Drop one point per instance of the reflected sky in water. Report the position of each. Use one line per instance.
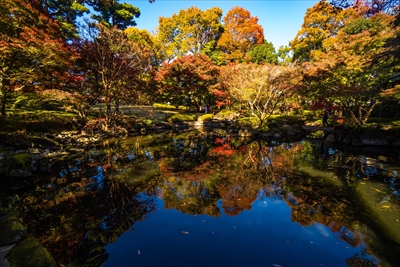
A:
(262, 236)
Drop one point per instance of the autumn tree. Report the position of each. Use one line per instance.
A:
(260, 88)
(320, 22)
(151, 51)
(346, 73)
(241, 33)
(192, 76)
(112, 67)
(190, 30)
(33, 54)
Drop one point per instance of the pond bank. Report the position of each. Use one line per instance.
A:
(21, 154)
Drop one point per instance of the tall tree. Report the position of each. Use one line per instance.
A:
(33, 54)
(320, 22)
(113, 13)
(193, 76)
(241, 33)
(190, 30)
(66, 13)
(264, 53)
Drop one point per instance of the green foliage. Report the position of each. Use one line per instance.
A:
(264, 53)
(361, 24)
(117, 14)
(181, 118)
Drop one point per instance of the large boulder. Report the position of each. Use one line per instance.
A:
(374, 137)
(15, 164)
(30, 253)
(11, 230)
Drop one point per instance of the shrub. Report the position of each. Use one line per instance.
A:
(248, 122)
(181, 117)
(206, 117)
(166, 106)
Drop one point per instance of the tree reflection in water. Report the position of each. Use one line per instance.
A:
(88, 202)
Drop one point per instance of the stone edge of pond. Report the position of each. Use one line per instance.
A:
(17, 249)
(22, 154)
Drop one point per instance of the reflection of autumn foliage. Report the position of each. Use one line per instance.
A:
(223, 149)
(82, 211)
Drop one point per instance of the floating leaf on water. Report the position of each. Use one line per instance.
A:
(185, 232)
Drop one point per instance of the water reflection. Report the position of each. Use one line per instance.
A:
(141, 184)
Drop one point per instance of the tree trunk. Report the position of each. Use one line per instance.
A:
(3, 102)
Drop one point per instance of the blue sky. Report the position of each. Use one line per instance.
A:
(281, 19)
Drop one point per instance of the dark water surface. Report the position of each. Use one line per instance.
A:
(194, 199)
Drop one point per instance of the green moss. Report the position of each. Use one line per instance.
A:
(16, 226)
(11, 230)
(30, 252)
(182, 117)
(206, 117)
(22, 159)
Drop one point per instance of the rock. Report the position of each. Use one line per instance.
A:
(11, 230)
(16, 164)
(350, 137)
(30, 253)
(3, 252)
(330, 138)
(374, 137)
(295, 129)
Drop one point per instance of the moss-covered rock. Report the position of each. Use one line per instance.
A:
(30, 253)
(11, 230)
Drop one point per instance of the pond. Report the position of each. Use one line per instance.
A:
(194, 199)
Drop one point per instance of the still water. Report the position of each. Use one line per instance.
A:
(194, 199)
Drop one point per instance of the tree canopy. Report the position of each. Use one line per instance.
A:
(241, 33)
